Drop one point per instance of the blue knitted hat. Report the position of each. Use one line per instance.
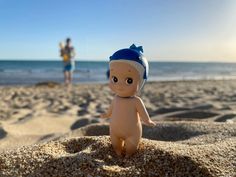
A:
(133, 56)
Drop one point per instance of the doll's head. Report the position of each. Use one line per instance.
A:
(128, 71)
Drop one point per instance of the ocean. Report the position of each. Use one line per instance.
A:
(32, 72)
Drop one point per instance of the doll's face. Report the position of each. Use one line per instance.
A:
(124, 79)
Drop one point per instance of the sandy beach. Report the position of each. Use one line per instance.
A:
(46, 130)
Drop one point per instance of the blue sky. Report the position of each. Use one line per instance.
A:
(169, 30)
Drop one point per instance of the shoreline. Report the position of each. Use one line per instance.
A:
(33, 72)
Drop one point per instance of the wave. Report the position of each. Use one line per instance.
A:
(33, 72)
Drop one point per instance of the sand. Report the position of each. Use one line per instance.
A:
(46, 130)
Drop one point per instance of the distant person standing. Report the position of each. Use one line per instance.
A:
(67, 53)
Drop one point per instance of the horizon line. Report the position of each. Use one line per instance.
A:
(102, 60)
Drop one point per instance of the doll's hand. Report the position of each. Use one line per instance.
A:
(151, 123)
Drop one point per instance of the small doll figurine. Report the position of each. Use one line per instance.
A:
(128, 73)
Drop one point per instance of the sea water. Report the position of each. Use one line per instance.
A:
(31, 72)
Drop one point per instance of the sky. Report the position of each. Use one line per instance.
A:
(168, 30)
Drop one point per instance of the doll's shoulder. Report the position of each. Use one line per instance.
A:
(138, 100)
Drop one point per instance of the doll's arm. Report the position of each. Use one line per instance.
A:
(143, 112)
(108, 113)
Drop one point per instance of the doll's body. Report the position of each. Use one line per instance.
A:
(126, 110)
(125, 125)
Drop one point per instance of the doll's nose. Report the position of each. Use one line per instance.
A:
(121, 86)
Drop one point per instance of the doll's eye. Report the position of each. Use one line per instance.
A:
(114, 79)
(129, 80)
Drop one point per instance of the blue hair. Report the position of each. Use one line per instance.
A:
(132, 54)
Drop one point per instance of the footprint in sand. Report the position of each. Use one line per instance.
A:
(5, 114)
(191, 115)
(170, 110)
(83, 122)
(3, 133)
(226, 117)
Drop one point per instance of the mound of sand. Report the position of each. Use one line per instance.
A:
(188, 149)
